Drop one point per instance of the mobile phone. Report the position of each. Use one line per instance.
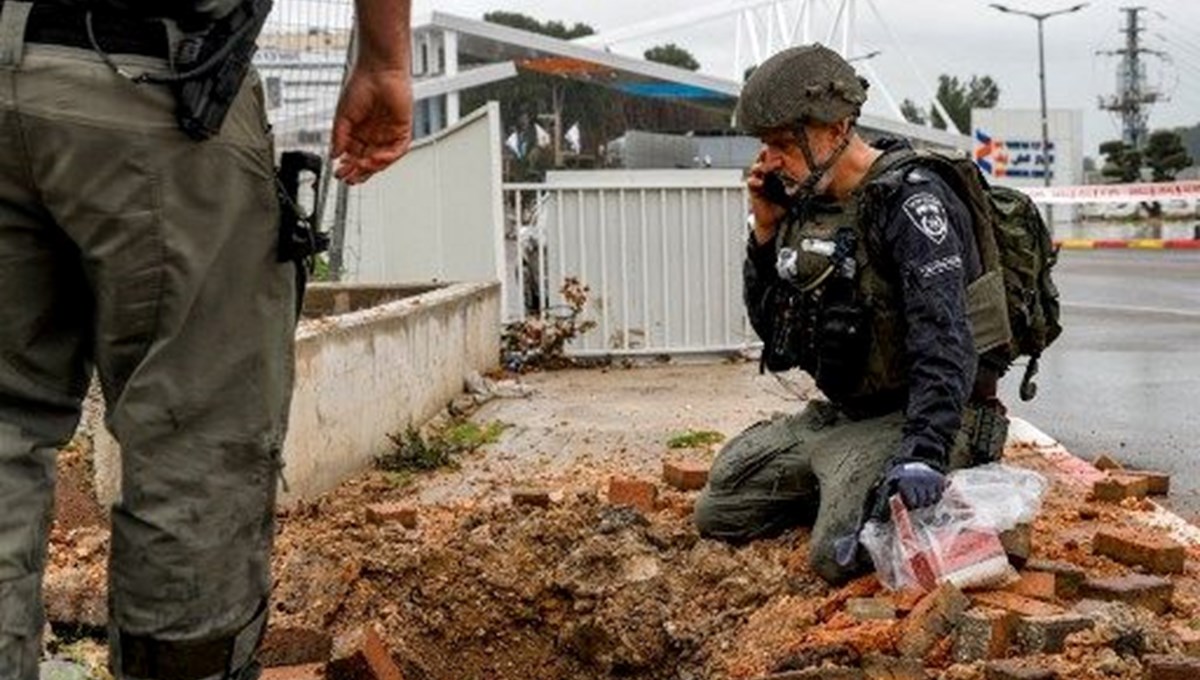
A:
(774, 189)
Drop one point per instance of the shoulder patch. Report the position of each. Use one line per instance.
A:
(927, 213)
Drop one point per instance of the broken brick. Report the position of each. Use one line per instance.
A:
(1170, 667)
(311, 671)
(880, 667)
(870, 609)
(983, 634)
(362, 655)
(1039, 585)
(1048, 634)
(386, 513)
(1068, 578)
(1017, 604)
(1157, 483)
(1105, 462)
(636, 493)
(931, 620)
(686, 475)
(1016, 670)
(1189, 640)
(1116, 487)
(294, 647)
(1160, 555)
(824, 673)
(939, 655)
(1149, 592)
(534, 498)
(865, 586)
(1018, 544)
(906, 600)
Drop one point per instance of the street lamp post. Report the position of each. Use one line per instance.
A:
(1040, 18)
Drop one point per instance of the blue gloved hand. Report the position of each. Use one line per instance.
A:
(917, 483)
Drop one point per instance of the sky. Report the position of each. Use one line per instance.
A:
(958, 37)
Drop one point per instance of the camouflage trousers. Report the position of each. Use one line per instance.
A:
(816, 468)
(129, 249)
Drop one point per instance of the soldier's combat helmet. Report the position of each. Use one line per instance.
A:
(810, 82)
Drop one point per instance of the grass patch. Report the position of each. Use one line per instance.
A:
(468, 436)
(695, 439)
(414, 452)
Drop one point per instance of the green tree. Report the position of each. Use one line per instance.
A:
(672, 55)
(912, 113)
(1122, 163)
(1165, 155)
(556, 29)
(958, 98)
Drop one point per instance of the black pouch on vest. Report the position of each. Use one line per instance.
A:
(787, 347)
(843, 342)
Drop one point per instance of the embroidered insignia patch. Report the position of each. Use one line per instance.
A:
(927, 213)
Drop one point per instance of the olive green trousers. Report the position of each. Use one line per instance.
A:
(817, 468)
(129, 249)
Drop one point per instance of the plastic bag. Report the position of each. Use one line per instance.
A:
(958, 540)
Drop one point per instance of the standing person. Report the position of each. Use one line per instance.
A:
(149, 253)
(856, 272)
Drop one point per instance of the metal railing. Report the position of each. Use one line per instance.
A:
(303, 53)
(662, 258)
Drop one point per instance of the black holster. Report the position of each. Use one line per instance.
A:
(211, 64)
(300, 237)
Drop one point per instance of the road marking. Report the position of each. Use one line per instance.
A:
(1132, 309)
(1147, 244)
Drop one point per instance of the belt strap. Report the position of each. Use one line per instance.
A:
(54, 24)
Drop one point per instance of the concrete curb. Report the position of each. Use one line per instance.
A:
(1075, 470)
(1128, 244)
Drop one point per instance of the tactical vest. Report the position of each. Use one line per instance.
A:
(840, 316)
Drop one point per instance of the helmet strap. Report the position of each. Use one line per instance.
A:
(817, 170)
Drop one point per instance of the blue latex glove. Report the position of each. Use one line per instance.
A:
(917, 483)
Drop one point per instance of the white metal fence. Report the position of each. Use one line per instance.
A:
(661, 252)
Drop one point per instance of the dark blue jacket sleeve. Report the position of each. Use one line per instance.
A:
(928, 233)
(758, 280)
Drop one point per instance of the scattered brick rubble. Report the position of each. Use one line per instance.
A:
(614, 582)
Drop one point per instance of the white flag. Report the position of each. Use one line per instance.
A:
(572, 138)
(514, 144)
(543, 137)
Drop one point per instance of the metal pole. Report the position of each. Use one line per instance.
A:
(1045, 119)
(337, 231)
(1039, 18)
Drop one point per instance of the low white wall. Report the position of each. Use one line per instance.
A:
(361, 376)
(367, 374)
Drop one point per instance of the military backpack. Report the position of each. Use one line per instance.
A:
(1017, 255)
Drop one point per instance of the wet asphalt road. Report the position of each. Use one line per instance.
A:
(1125, 375)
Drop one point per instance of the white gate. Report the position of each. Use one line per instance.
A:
(661, 252)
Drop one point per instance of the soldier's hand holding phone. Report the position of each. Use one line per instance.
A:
(767, 196)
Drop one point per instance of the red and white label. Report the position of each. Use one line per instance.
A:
(1115, 193)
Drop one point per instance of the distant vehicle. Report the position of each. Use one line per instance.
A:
(1180, 208)
(1118, 211)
